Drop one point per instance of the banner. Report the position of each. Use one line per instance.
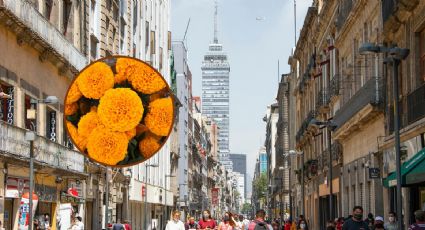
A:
(24, 210)
(214, 195)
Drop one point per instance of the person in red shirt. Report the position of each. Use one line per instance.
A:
(288, 225)
(207, 222)
(127, 225)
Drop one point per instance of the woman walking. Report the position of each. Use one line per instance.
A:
(227, 223)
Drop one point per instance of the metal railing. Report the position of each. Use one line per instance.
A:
(369, 93)
(12, 141)
(416, 105)
(31, 18)
(323, 99)
(334, 88)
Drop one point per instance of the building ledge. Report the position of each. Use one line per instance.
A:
(358, 121)
(406, 133)
(20, 17)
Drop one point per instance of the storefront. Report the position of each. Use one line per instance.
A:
(413, 179)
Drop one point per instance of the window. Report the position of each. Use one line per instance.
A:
(67, 7)
(48, 8)
(152, 43)
(93, 47)
(169, 40)
(161, 57)
(6, 105)
(147, 34)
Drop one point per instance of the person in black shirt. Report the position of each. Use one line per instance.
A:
(356, 222)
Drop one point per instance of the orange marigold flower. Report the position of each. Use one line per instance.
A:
(74, 93)
(131, 133)
(120, 109)
(87, 124)
(80, 142)
(95, 80)
(160, 116)
(106, 146)
(70, 108)
(149, 145)
(141, 76)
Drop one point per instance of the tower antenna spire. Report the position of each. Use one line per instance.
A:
(215, 22)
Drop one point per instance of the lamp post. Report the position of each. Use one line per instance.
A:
(330, 126)
(295, 153)
(396, 55)
(30, 136)
(281, 168)
(146, 191)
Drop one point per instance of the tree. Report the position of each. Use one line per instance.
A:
(246, 208)
(260, 186)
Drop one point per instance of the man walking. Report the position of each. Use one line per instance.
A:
(259, 222)
(392, 222)
(175, 223)
(420, 221)
(356, 222)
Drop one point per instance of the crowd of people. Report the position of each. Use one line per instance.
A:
(231, 221)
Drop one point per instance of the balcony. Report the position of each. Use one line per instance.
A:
(47, 153)
(365, 104)
(322, 102)
(334, 87)
(30, 26)
(304, 126)
(416, 105)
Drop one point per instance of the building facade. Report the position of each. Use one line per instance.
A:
(239, 165)
(215, 93)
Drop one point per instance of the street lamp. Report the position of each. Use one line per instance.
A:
(330, 126)
(396, 55)
(281, 168)
(146, 191)
(30, 136)
(295, 153)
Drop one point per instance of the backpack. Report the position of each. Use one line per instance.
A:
(260, 225)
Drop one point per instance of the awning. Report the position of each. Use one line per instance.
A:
(412, 171)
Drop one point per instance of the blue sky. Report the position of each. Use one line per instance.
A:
(254, 48)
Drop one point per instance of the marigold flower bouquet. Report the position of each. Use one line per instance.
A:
(119, 111)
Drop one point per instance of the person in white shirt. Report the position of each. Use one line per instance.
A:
(175, 223)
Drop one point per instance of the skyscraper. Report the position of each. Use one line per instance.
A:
(215, 92)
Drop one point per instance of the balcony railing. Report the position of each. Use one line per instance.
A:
(370, 93)
(416, 105)
(305, 125)
(334, 86)
(323, 99)
(12, 141)
(31, 18)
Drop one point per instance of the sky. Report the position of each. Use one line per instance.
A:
(254, 48)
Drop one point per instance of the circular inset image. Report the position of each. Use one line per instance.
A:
(119, 111)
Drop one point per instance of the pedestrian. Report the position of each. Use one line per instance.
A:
(287, 225)
(239, 223)
(294, 225)
(330, 225)
(370, 221)
(207, 222)
(392, 222)
(127, 225)
(356, 222)
(191, 224)
(259, 223)
(420, 221)
(175, 223)
(275, 225)
(339, 223)
(227, 223)
(379, 223)
(78, 224)
(246, 223)
(302, 223)
(118, 225)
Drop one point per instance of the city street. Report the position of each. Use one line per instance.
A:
(160, 114)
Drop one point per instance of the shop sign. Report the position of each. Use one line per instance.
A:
(66, 198)
(77, 186)
(374, 173)
(45, 193)
(214, 195)
(15, 187)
